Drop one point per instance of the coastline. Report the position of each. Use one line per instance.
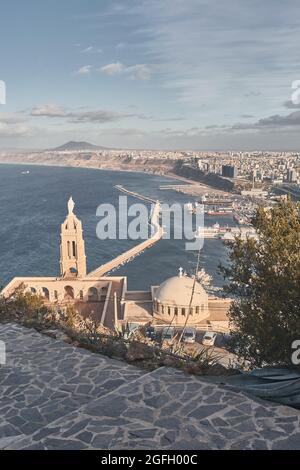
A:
(120, 168)
(92, 167)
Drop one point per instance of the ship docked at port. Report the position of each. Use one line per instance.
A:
(224, 206)
(216, 231)
(212, 206)
(218, 211)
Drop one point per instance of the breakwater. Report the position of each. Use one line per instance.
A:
(133, 194)
(138, 249)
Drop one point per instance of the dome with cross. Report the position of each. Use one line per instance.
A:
(180, 296)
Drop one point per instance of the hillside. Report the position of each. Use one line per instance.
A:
(74, 146)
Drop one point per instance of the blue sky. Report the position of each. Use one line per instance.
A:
(192, 74)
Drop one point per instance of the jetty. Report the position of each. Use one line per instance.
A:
(130, 254)
(133, 194)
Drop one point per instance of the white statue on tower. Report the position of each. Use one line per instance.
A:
(71, 205)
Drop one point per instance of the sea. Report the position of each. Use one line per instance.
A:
(33, 204)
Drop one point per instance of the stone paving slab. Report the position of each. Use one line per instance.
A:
(45, 379)
(48, 358)
(46, 405)
(166, 409)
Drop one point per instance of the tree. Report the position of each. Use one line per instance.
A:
(263, 277)
(22, 304)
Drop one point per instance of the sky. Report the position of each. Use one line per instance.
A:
(160, 74)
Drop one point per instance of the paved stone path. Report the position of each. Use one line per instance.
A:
(56, 396)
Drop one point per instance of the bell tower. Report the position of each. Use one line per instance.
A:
(72, 251)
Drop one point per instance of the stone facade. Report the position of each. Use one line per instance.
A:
(99, 297)
(72, 251)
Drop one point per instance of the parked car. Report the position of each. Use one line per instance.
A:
(151, 333)
(189, 335)
(168, 333)
(209, 338)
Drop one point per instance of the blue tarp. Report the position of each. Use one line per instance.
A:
(274, 384)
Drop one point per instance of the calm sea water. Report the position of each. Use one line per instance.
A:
(32, 207)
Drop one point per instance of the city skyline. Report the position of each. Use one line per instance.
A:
(160, 74)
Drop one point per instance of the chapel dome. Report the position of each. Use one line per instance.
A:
(177, 291)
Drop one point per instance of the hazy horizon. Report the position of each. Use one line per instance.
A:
(219, 150)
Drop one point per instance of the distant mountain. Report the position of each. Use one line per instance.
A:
(77, 146)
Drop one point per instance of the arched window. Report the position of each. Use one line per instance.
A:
(45, 293)
(103, 293)
(69, 293)
(81, 295)
(176, 311)
(74, 249)
(92, 294)
(169, 311)
(197, 310)
(183, 312)
(191, 311)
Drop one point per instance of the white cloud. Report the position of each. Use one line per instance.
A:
(15, 125)
(85, 70)
(90, 49)
(136, 72)
(49, 110)
(14, 130)
(115, 68)
(12, 118)
(87, 49)
(121, 45)
(139, 72)
(226, 56)
(99, 116)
